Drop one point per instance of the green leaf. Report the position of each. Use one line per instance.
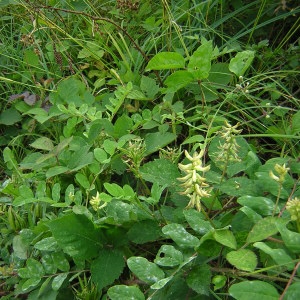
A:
(76, 235)
(35, 268)
(101, 156)
(48, 264)
(10, 116)
(155, 141)
(195, 220)
(60, 261)
(178, 80)
(168, 256)
(83, 181)
(160, 171)
(107, 267)
(293, 292)
(149, 86)
(225, 237)
(43, 143)
(165, 60)
(291, 239)
(199, 279)
(262, 205)
(145, 270)
(46, 244)
(144, 232)
(125, 292)
(56, 171)
(180, 236)
(262, 229)
(278, 255)
(58, 281)
(243, 259)
(256, 289)
(241, 62)
(200, 62)
(10, 159)
(114, 189)
(161, 283)
(30, 283)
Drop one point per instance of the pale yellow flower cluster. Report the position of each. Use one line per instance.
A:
(293, 207)
(281, 171)
(194, 184)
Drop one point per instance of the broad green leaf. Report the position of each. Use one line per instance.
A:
(119, 211)
(293, 292)
(80, 158)
(101, 156)
(43, 143)
(58, 281)
(219, 74)
(160, 171)
(10, 116)
(46, 244)
(48, 264)
(195, 220)
(125, 292)
(83, 181)
(35, 268)
(200, 62)
(110, 146)
(168, 256)
(149, 86)
(122, 126)
(278, 255)
(225, 237)
(155, 141)
(165, 60)
(249, 290)
(107, 267)
(243, 259)
(262, 205)
(262, 229)
(180, 236)
(177, 80)
(219, 281)
(30, 283)
(198, 279)
(241, 62)
(76, 235)
(10, 159)
(161, 283)
(56, 171)
(60, 261)
(114, 189)
(291, 239)
(20, 248)
(239, 186)
(144, 232)
(145, 270)
(194, 139)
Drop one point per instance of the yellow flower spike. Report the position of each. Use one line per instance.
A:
(281, 170)
(273, 176)
(95, 201)
(185, 167)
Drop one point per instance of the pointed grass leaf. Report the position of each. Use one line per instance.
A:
(166, 60)
(107, 267)
(180, 236)
(255, 289)
(278, 255)
(198, 279)
(200, 62)
(125, 292)
(145, 270)
(243, 259)
(168, 256)
(76, 235)
(241, 62)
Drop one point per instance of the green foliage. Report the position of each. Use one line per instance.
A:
(97, 200)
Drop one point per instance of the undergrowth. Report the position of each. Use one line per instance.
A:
(150, 150)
